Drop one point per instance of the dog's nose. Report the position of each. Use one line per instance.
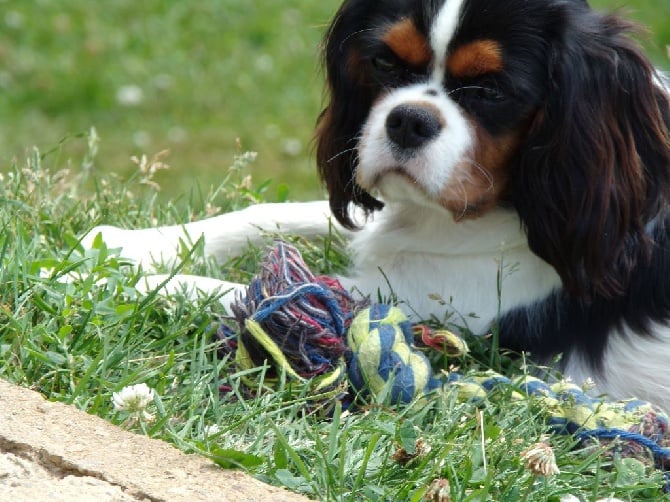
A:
(411, 125)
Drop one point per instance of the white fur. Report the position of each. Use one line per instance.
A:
(458, 263)
(442, 32)
(224, 235)
(634, 366)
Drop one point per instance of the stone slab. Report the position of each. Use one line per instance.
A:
(51, 451)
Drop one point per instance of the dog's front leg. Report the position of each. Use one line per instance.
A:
(224, 236)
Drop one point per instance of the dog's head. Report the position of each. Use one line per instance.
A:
(542, 105)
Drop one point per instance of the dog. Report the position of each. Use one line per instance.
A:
(494, 163)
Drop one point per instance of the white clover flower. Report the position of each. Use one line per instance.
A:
(540, 459)
(588, 384)
(438, 491)
(134, 399)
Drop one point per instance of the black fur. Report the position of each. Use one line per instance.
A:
(564, 323)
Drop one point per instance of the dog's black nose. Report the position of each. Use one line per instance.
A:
(411, 125)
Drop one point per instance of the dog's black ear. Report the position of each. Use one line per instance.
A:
(596, 166)
(340, 123)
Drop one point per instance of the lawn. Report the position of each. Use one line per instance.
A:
(203, 79)
(73, 327)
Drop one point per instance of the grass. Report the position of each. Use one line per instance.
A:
(199, 79)
(207, 81)
(80, 341)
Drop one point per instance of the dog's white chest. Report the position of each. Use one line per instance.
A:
(470, 271)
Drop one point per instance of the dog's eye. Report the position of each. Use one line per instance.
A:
(384, 64)
(478, 93)
(490, 94)
(387, 70)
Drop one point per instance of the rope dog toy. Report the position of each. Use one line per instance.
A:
(310, 330)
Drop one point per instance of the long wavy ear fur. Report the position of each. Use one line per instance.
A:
(340, 124)
(596, 166)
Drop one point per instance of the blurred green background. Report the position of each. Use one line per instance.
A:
(205, 79)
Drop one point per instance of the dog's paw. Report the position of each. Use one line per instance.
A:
(152, 248)
(127, 243)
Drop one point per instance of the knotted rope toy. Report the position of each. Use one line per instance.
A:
(295, 321)
(310, 330)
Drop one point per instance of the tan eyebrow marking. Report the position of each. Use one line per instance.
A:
(476, 58)
(405, 40)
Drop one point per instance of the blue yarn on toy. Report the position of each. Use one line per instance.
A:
(383, 357)
(659, 452)
(304, 316)
(572, 411)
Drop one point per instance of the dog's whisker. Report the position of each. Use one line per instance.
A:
(484, 171)
(343, 152)
(351, 35)
(466, 87)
